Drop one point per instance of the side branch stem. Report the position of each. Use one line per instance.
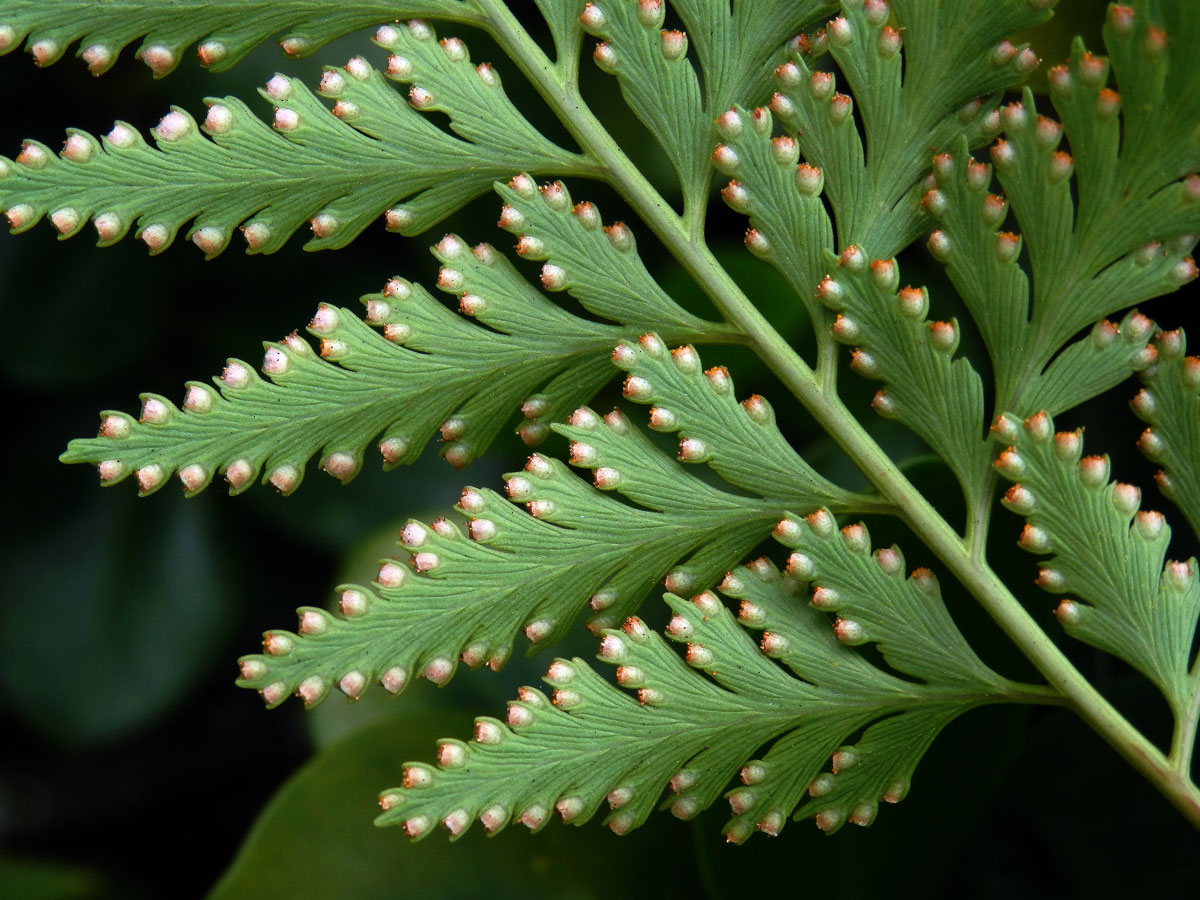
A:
(1183, 741)
(837, 420)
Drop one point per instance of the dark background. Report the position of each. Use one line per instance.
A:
(130, 766)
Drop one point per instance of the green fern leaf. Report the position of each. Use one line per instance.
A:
(904, 617)
(983, 263)
(872, 193)
(228, 29)
(578, 547)
(1106, 552)
(661, 86)
(738, 440)
(1127, 241)
(429, 370)
(1093, 364)
(563, 18)
(738, 51)
(1168, 403)
(591, 742)
(1121, 268)
(658, 82)
(937, 396)
(789, 226)
(597, 265)
(472, 594)
(337, 171)
(836, 675)
(441, 78)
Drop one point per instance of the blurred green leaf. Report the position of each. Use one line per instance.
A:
(1052, 40)
(106, 635)
(30, 879)
(81, 354)
(316, 839)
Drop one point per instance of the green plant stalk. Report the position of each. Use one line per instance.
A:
(1183, 741)
(831, 413)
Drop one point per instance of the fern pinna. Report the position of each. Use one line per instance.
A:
(804, 683)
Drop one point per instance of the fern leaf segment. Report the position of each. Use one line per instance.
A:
(695, 725)
(737, 52)
(338, 171)
(1169, 403)
(1128, 240)
(598, 265)
(789, 226)
(905, 617)
(562, 16)
(1073, 284)
(738, 440)
(1106, 551)
(419, 370)
(983, 262)
(536, 572)
(937, 396)
(658, 82)
(871, 188)
(514, 570)
(227, 29)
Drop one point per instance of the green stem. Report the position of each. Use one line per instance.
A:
(833, 416)
(979, 515)
(827, 364)
(1183, 741)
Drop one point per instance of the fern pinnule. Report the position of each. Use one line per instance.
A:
(739, 441)
(529, 571)
(1106, 551)
(337, 170)
(581, 737)
(226, 30)
(1168, 404)
(424, 371)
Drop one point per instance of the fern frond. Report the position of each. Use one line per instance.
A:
(789, 226)
(596, 264)
(337, 171)
(227, 29)
(738, 440)
(943, 95)
(937, 396)
(1169, 403)
(1128, 240)
(657, 81)
(429, 370)
(835, 676)
(513, 571)
(1105, 551)
(693, 733)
